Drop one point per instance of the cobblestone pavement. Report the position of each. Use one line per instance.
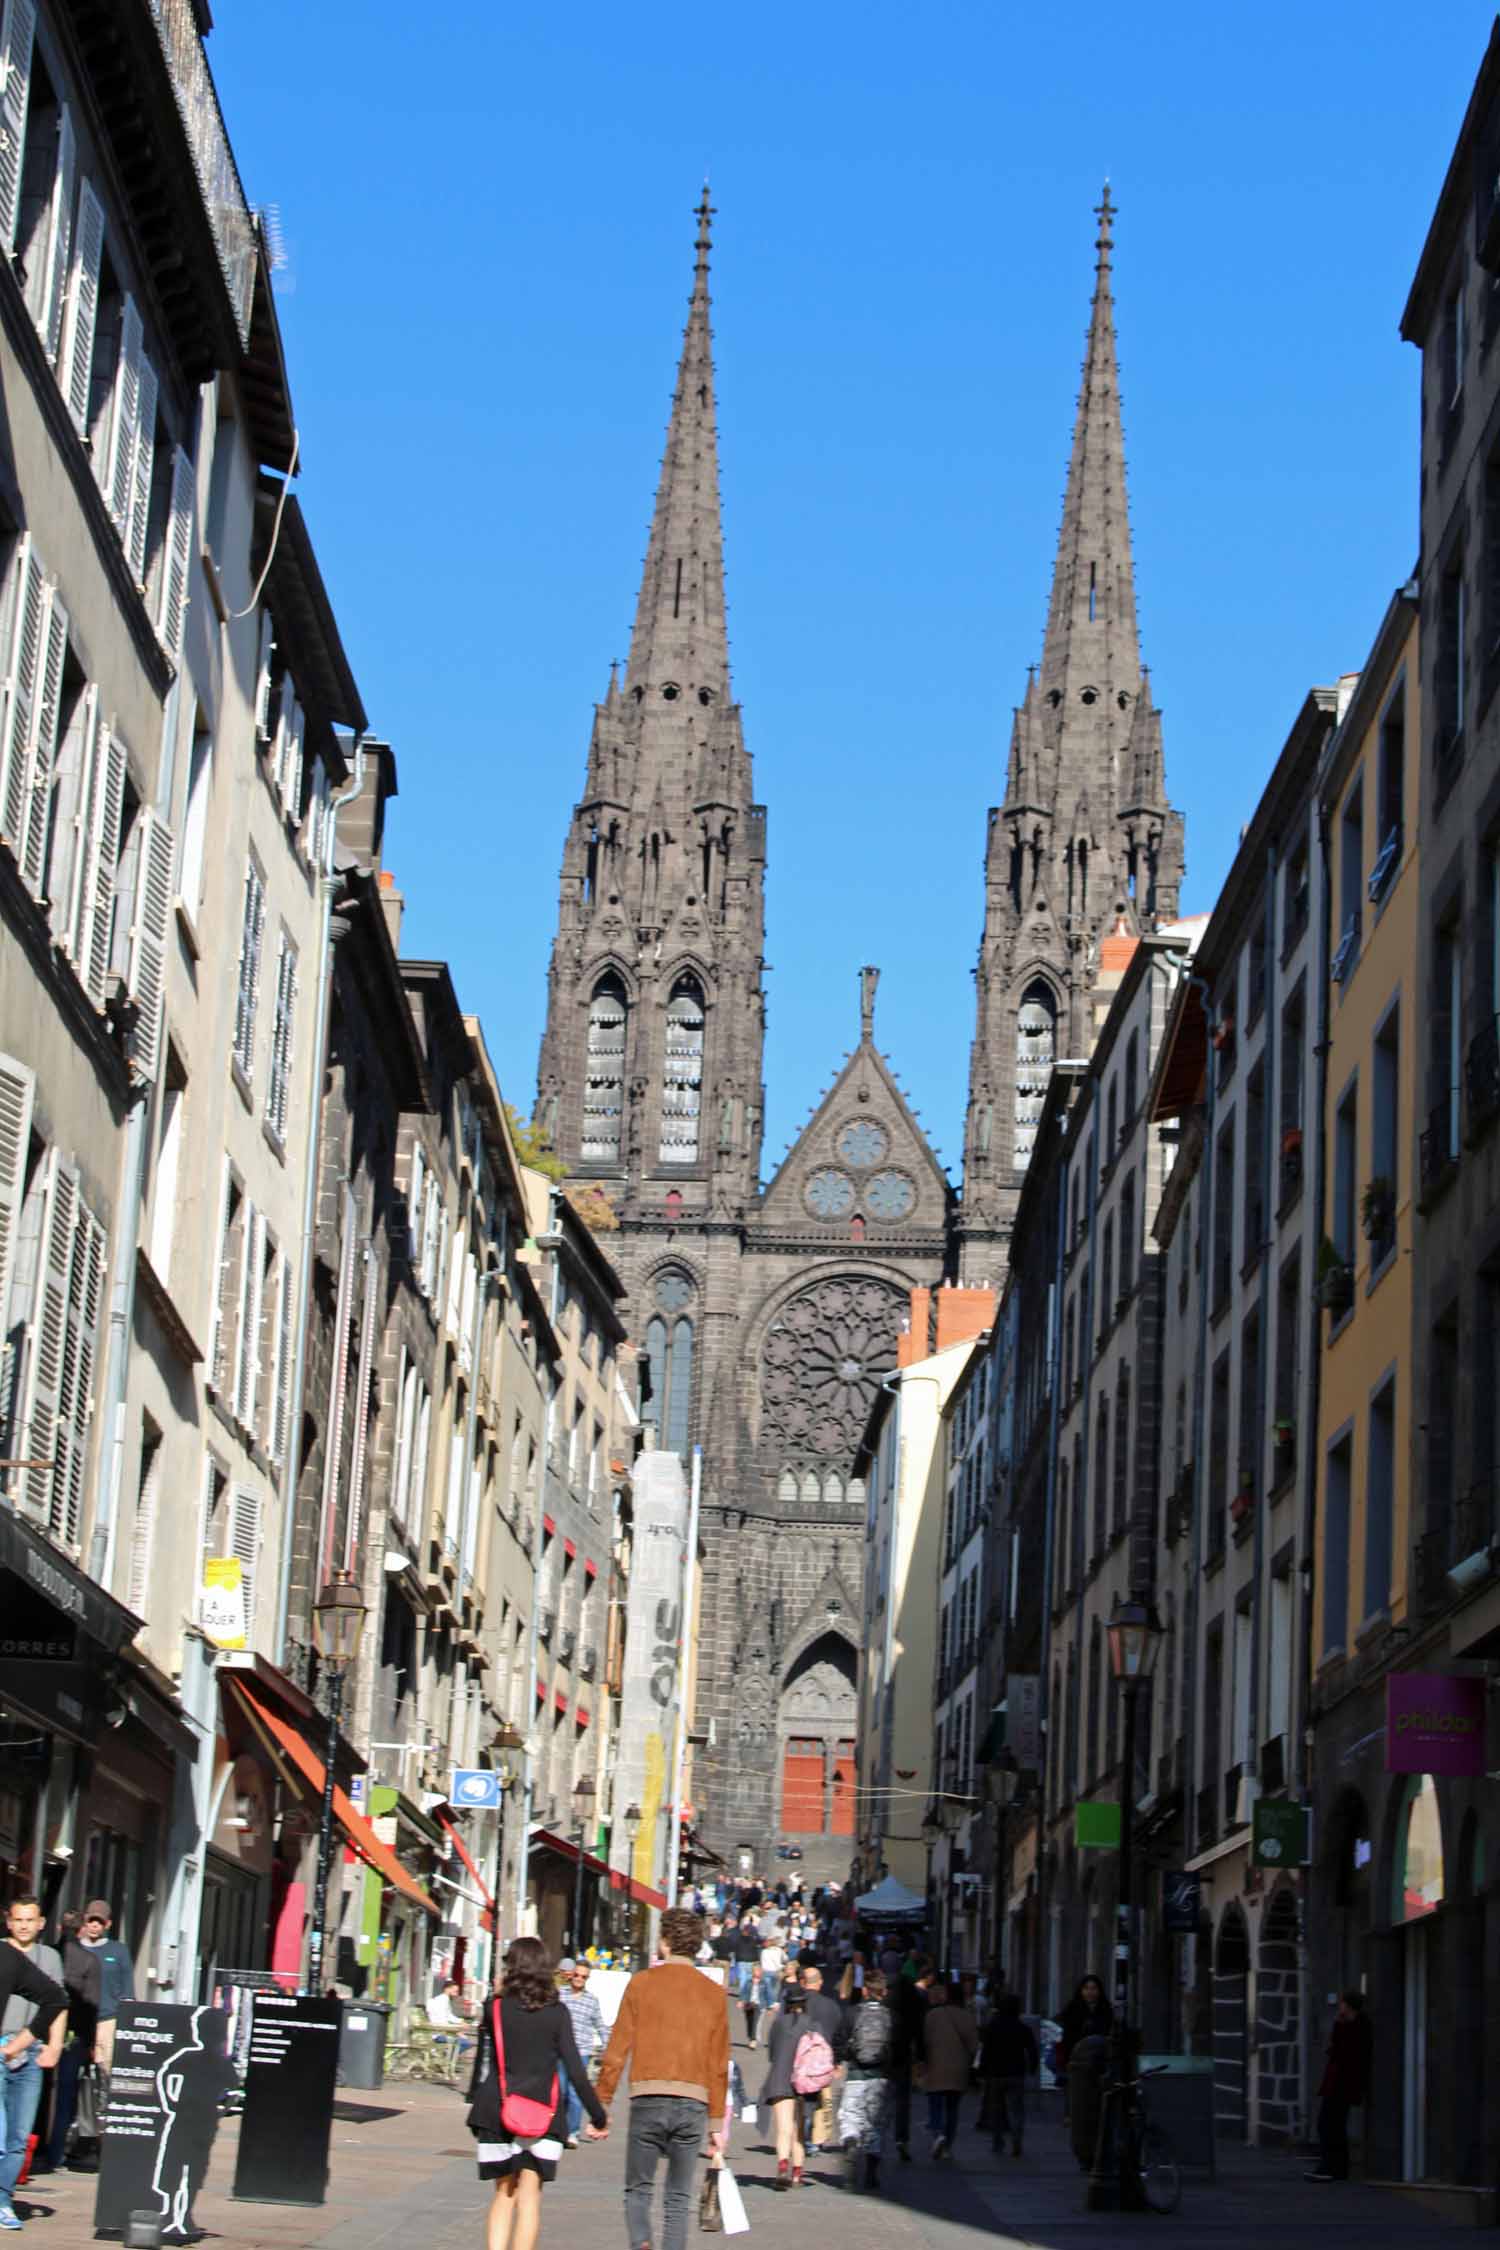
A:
(402, 2173)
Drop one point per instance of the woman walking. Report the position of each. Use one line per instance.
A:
(1007, 2055)
(779, 2094)
(950, 2041)
(1088, 2015)
(538, 2053)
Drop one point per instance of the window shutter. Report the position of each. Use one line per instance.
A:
(76, 1399)
(146, 973)
(219, 1345)
(71, 827)
(60, 235)
(143, 1535)
(286, 1353)
(16, 1086)
(247, 1003)
(333, 1450)
(44, 748)
(454, 1257)
(284, 705)
(145, 462)
(263, 677)
(291, 762)
(76, 365)
(360, 1451)
(100, 854)
(17, 29)
(174, 577)
(28, 619)
(39, 1435)
(124, 421)
(415, 1212)
(244, 1542)
(252, 1285)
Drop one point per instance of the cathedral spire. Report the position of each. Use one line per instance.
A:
(1092, 642)
(680, 640)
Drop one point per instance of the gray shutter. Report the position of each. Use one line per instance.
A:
(141, 469)
(17, 30)
(28, 621)
(174, 575)
(38, 1436)
(76, 365)
(43, 758)
(80, 1359)
(124, 420)
(60, 235)
(101, 852)
(16, 1089)
(146, 970)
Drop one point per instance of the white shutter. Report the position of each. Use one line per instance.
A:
(101, 851)
(252, 1282)
(247, 1001)
(431, 1230)
(140, 481)
(174, 575)
(76, 364)
(281, 1390)
(284, 706)
(28, 620)
(406, 1401)
(263, 677)
(360, 1452)
(146, 971)
(43, 759)
(38, 1436)
(60, 235)
(143, 1534)
(333, 1451)
(317, 816)
(244, 1541)
(71, 827)
(290, 777)
(16, 1086)
(221, 1287)
(124, 420)
(417, 1507)
(455, 1258)
(17, 29)
(415, 1212)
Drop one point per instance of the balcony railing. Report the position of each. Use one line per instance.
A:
(1437, 1149)
(213, 158)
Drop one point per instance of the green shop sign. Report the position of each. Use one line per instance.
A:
(1281, 1833)
(1097, 1827)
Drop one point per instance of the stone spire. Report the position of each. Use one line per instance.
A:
(1091, 626)
(680, 638)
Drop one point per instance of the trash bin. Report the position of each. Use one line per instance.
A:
(1088, 2066)
(362, 2035)
(1180, 2099)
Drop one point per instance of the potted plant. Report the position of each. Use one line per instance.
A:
(1291, 1141)
(1377, 1209)
(1244, 1499)
(1335, 1284)
(1284, 1430)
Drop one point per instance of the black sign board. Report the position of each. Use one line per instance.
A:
(170, 2072)
(1180, 1904)
(291, 2069)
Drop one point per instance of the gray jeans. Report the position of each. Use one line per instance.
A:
(670, 2126)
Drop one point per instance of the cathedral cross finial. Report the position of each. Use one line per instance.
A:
(868, 980)
(705, 215)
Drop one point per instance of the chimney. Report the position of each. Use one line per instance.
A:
(393, 903)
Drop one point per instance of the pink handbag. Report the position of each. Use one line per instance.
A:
(519, 2113)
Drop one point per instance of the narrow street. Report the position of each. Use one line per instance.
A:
(402, 2172)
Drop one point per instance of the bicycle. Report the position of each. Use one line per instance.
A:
(1147, 2146)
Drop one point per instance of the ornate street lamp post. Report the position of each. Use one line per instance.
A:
(507, 1741)
(631, 1823)
(338, 1618)
(1135, 1638)
(583, 1805)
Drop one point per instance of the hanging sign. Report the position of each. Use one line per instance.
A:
(1434, 1723)
(1097, 1827)
(1280, 1833)
(221, 1602)
(1181, 1894)
(1023, 1719)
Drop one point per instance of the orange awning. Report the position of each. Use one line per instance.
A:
(279, 1734)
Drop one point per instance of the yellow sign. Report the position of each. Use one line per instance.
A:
(221, 1605)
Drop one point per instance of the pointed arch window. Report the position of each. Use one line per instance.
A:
(604, 1078)
(669, 1358)
(1036, 1048)
(682, 1075)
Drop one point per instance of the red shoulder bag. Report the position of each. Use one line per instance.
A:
(519, 2113)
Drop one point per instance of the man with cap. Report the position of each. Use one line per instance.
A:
(588, 2031)
(116, 1974)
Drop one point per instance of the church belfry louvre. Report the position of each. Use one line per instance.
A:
(768, 1313)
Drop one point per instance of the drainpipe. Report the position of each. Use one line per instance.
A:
(481, 1288)
(1193, 1651)
(1049, 1540)
(1269, 1108)
(289, 1467)
(528, 1728)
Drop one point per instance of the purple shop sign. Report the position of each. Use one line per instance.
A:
(1434, 1723)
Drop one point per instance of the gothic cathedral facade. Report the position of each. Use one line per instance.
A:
(767, 1314)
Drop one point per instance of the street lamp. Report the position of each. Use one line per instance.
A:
(507, 1740)
(1135, 1638)
(338, 1618)
(583, 1805)
(631, 1823)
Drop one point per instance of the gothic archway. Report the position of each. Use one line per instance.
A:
(1277, 2021)
(815, 1737)
(1231, 2022)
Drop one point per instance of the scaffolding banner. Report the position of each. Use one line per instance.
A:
(650, 1702)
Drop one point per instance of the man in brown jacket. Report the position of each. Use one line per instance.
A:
(673, 2031)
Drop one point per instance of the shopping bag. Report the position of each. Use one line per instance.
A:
(747, 2113)
(731, 2203)
(710, 2218)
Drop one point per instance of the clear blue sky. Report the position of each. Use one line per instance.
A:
(487, 214)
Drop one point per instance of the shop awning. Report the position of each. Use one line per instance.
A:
(641, 1892)
(284, 1742)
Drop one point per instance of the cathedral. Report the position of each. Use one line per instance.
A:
(769, 1311)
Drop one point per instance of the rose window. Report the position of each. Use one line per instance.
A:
(822, 1361)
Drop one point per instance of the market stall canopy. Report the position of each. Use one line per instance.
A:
(891, 1901)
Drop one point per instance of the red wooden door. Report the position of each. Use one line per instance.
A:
(802, 1787)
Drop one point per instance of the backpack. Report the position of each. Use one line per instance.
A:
(870, 2039)
(813, 2064)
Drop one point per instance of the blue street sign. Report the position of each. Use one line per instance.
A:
(476, 1787)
